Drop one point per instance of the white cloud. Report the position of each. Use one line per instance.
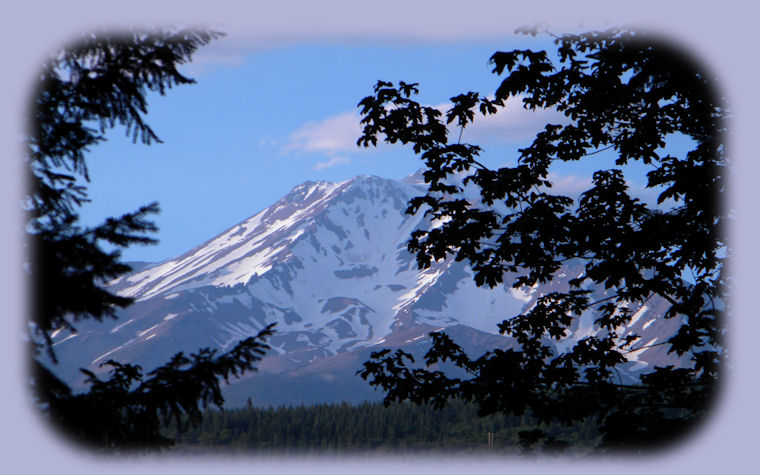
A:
(569, 185)
(573, 185)
(330, 136)
(332, 162)
(512, 123)
(339, 133)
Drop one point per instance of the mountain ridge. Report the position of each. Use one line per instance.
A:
(328, 263)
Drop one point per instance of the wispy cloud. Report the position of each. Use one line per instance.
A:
(332, 162)
(337, 134)
(569, 185)
(512, 123)
(573, 185)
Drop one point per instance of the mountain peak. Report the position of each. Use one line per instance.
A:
(329, 263)
(416, 178)
(254, 245)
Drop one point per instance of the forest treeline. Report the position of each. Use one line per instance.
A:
(368, 428)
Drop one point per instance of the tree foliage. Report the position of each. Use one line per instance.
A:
(619, 93)
(84, 90)
(97, 84)
(131, 411)
(368, 428)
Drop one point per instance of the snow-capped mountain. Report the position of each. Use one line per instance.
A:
(328, 263)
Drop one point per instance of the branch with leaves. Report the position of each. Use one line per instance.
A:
(97, 84)
(622, 93)
(128, 410)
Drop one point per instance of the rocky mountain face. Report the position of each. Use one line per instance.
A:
(328, 263)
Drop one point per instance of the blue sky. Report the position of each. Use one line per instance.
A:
(258, 123)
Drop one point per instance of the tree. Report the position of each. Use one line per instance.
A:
(619, 92)
(84, 90)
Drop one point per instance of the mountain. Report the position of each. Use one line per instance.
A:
(328, 262)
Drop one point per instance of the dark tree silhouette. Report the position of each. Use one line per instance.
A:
(620, 92)
(100, 83)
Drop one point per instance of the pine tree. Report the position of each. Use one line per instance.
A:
(97, 84)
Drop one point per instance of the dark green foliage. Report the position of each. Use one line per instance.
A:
(367, 428)
(128, 410)
(95, 85)
(621, 93)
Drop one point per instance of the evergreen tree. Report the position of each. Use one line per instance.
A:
(86, 89)
(619, 92)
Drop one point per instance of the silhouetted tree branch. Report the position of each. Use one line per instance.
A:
(619, 92)
(96, 84)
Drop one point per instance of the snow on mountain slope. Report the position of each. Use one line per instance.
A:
(239, 253)
(329, 264)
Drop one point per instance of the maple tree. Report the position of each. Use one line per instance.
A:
(621, 93)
